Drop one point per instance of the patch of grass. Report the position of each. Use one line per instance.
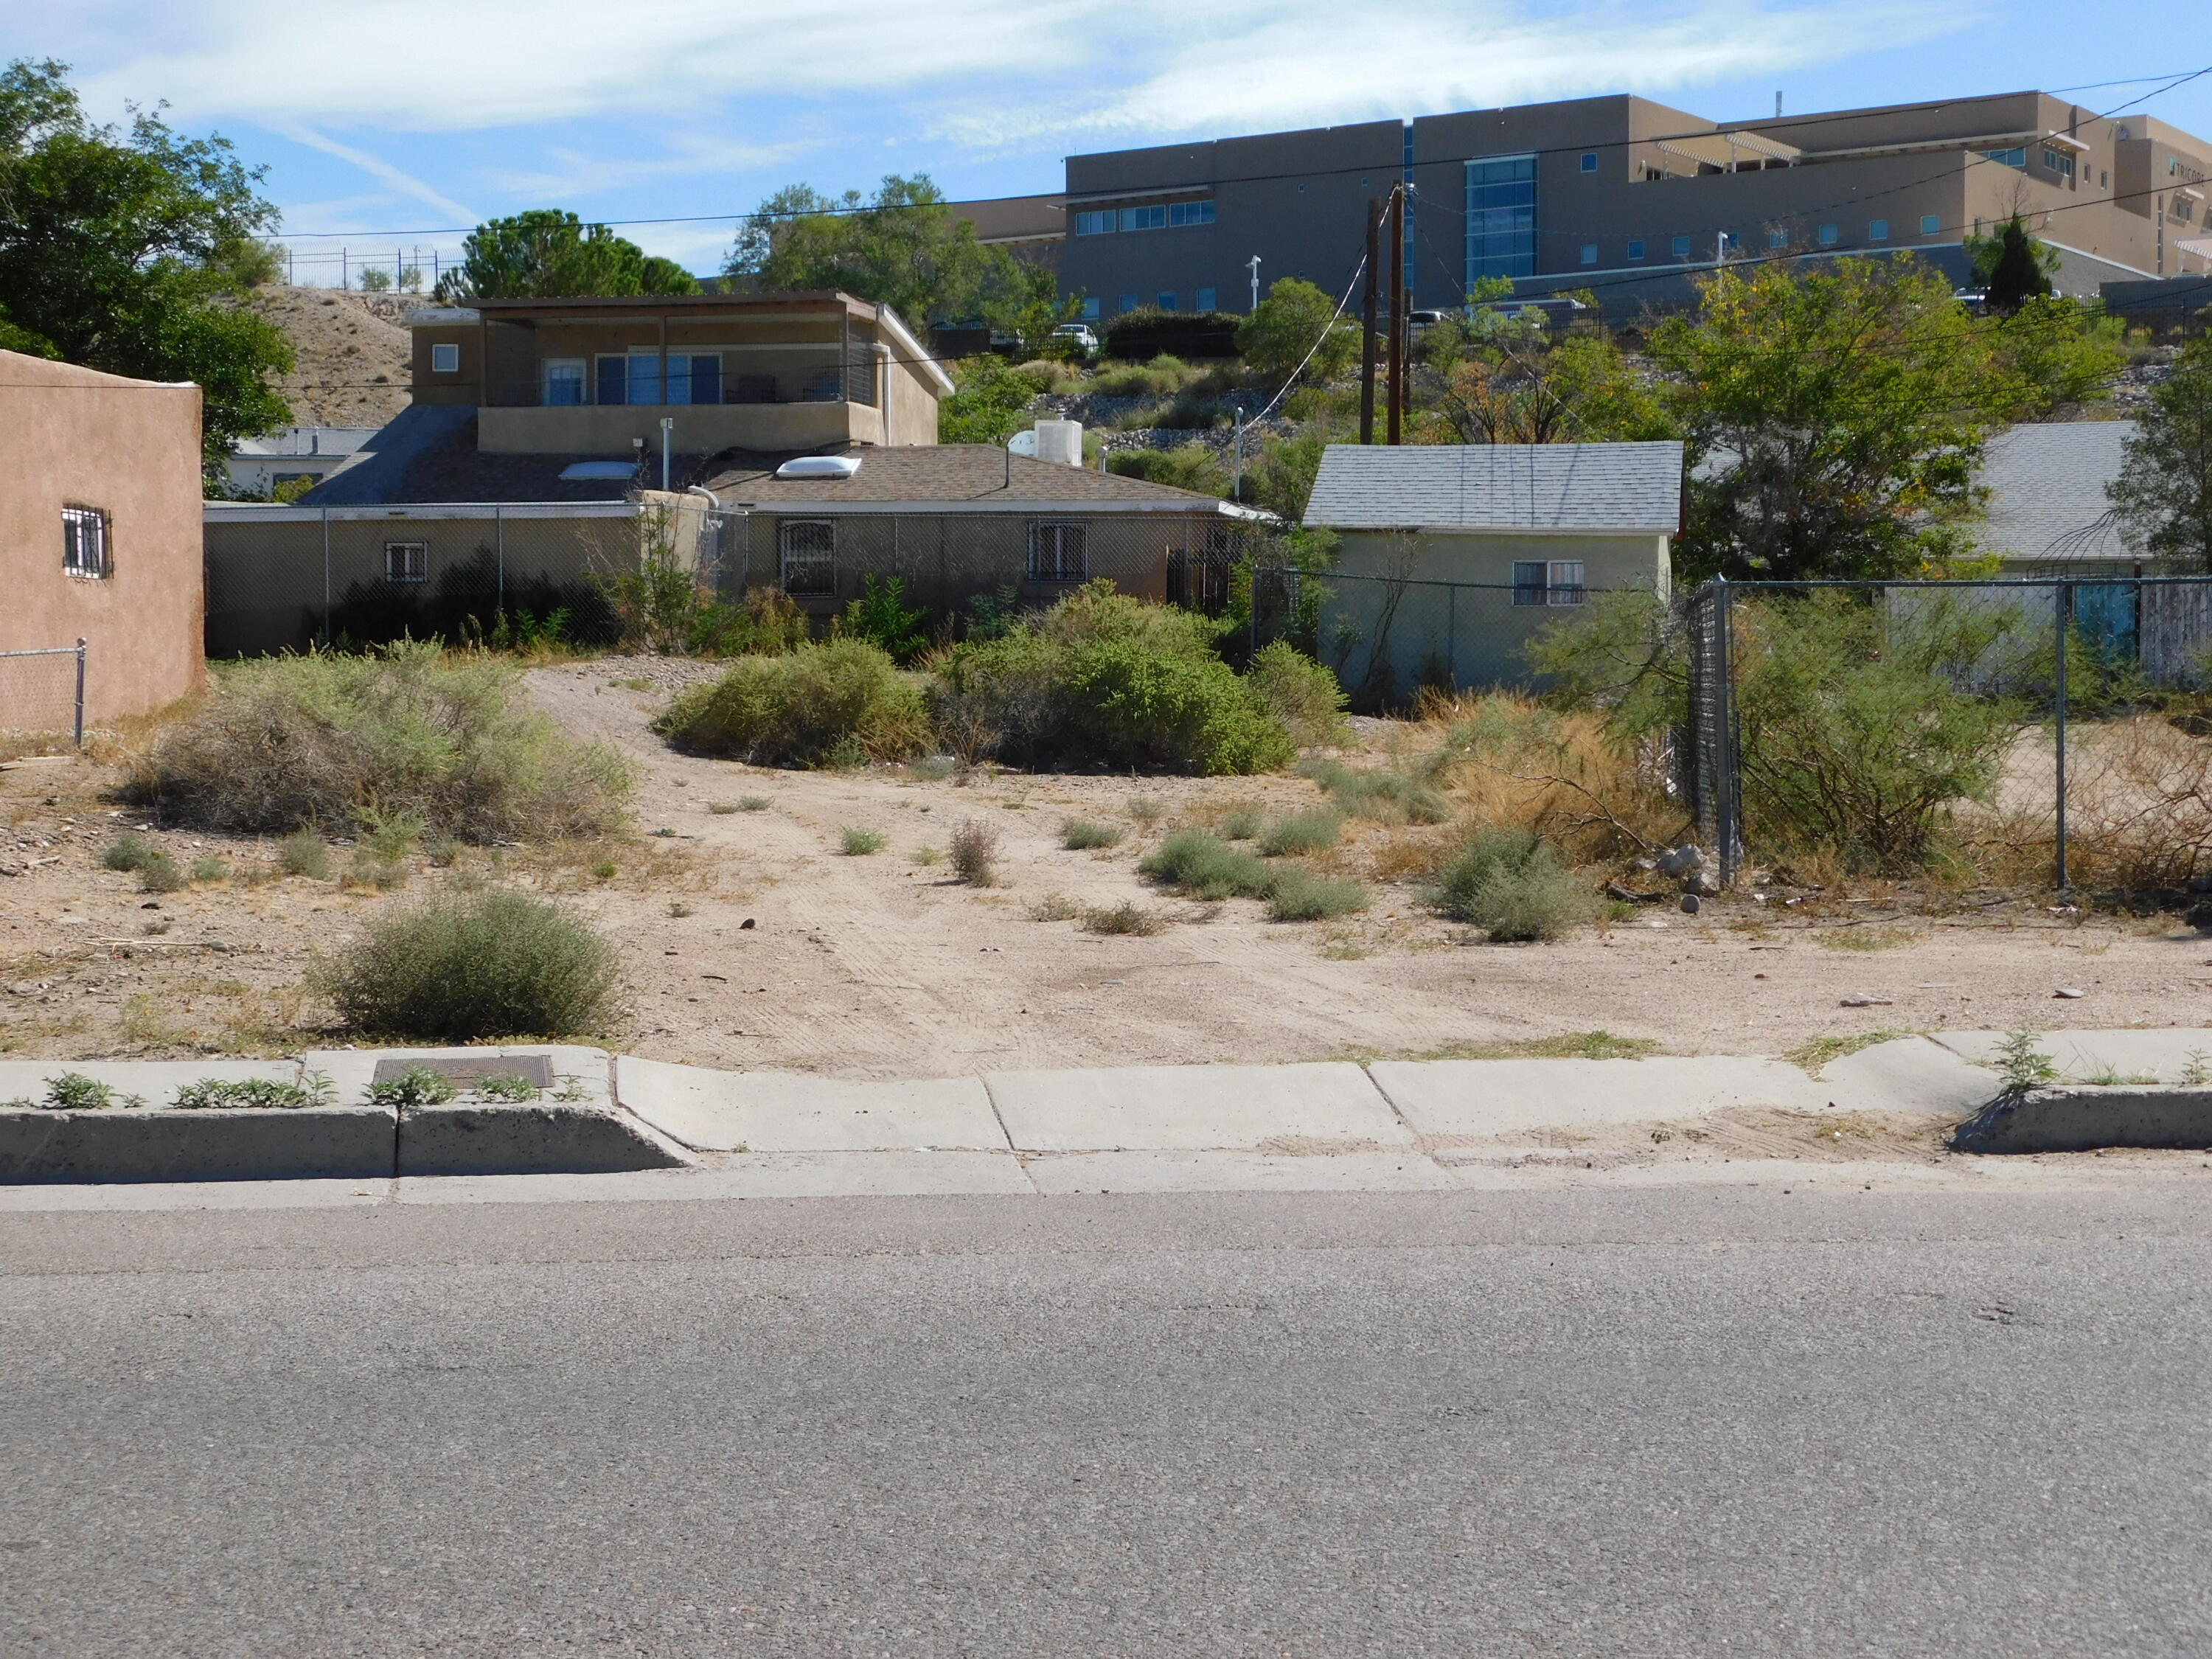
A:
(472, 966)
(1243, 821)
(368, 870)
(127, 852)
(1123, 918)
(1147, 809)
(163, 874)
(351, 743)
(514, 1090)
(1813, 1055)
(1513, 884)
(1386, 796)
(932, 769)
(1300, 895)
(1568, 1045)
(389, 837)
(1301, 832)
(926, 856)
(722, 809)
(678, 909)
(303, 853)
(258, 1094)
(1054, 907)
(855, 842)
(209, 870)
(975, 853)
(418, 1085)
(1868, 938)
(605, 869)
(1201, 865)
(1079, 834)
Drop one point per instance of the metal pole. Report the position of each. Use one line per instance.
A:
(1397, 305)
(79, 691)
(498, 540)
(326, 579)
(668, 437)
(1367, 324)
(1725, 781)
(1451, 632)
(1236, 481)
(2063, 605)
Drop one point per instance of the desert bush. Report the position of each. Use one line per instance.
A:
(1192, 466)
(1104, 678)
(1299, 692)
(326, 740)
(163, 874)
(1079, 834)
(129, 851)
(1556, 773)
(1386, 795)
(766, 622)
(2139, 808)
(1301, 832)
(1124, 918)
(209, 869)
(368, 868)
(1513, 884)
(880, 617)
(303, 853)
(803, 706)
(975, 851)
(1300, 895)
(1243, 821)
(1147, 809)
(856, 842)
(1192, 862)
(1160, 377)
(1054, 907)
(464, 967)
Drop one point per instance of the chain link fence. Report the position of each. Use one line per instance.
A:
(41, 698)
(2039, 725)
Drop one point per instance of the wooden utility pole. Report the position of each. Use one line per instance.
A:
(1367, 323)
(1397, 307)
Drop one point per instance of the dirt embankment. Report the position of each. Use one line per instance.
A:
(354, 362)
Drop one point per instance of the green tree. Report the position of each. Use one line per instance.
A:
(1297, 317)
(1520, 387)
(2163, 496)
(548, 254)
(1834, 419)
(1021, 298)
(989, 405)
(2010, 266)
(905, 248)
(2060, 351)
(129, 250)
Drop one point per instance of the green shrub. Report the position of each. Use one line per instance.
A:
(73, 1091)
(129, 851)
(1188, 466)
(342, 741)
(1054, 907)
(1147, 809)
(1300, 895)
(516, 1091)
(754, 803)
(879, 616)
(1192, 862)
(1513, 884)
(258, 1094)
(1124, 918)
(803, 706)
(303, 853)
(1104, 678)
(1243, 821)
(1299, 692)
(368, 870)
(469, 967)
(209, 870)
(1301, 832)
(1078, 835)
(1386, 796)
(856, 842)
(163, 874)
(767, 623)
(416, 1087)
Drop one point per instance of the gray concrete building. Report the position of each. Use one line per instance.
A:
(1631, 198)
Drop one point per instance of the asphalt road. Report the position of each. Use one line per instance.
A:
(1695, 1422)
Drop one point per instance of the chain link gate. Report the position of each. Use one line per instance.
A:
(42, 692)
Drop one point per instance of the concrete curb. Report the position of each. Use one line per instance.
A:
(126, 1144)
(2089, 1119)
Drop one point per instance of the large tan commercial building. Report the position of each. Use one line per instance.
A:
(100, 540)
(1629, 198)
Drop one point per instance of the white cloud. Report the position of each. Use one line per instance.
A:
(405, 182)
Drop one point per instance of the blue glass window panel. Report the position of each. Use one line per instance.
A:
(644, 386)
(1501, 217)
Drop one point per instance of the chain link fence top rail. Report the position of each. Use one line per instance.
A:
(41, 699)
(2102, 769)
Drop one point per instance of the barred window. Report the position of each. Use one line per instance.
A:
(1057, 553)
(84, 542)
(407, 562)
(1548, 582)
(809, 550)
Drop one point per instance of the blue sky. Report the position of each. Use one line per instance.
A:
(394, 123)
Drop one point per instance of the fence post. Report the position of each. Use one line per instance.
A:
(79, 691)
(327, 578)
(499, 538)
(2061, 603)
(1728, 830)
(1451, 634)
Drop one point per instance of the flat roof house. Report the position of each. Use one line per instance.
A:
(100, 540)
(1452, 556)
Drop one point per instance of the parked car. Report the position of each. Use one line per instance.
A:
(1079, 336)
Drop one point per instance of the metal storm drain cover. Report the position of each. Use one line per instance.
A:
(537, 1069)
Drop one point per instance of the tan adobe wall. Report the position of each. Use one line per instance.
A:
(73, 437)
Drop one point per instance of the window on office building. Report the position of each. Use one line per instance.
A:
(2015, 157)
(1145, 218)
(1930, 224)
(1166, 299)
(1681, 247)
(1877, 230)
(1635, 249)
(1090, 311)
(1827, 236)
(1501, 217)
(1190, 213)
(1129, 303)
(1589, 253)
(1776, 237)
(1589, 161)
(2058, 161)
(1094, 224)
(1205, 298)
(1548, 582)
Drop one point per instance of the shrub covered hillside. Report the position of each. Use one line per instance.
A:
(341, 742)
(1104, 678)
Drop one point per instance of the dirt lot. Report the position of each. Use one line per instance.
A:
(750, 940)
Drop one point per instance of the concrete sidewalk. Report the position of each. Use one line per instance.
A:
(622, 1127)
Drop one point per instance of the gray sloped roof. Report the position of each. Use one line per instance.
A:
(1543, 487)
(2046, 485)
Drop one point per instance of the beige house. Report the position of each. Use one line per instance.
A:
(701, 372)
(100, 540)
(1452, 556)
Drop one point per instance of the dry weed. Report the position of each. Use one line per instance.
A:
(1506, 759)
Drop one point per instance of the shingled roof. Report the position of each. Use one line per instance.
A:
(950, 477)
(2046, 485)
(1626, 488)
